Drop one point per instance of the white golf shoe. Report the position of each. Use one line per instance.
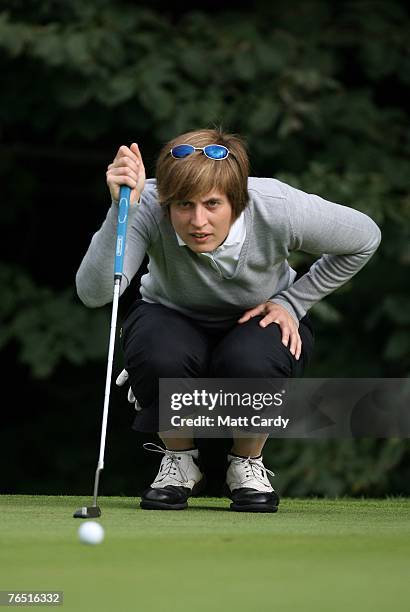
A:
(248, 485)
(178, 478)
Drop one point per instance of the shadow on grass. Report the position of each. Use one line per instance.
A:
(219, 509)
(135, 505)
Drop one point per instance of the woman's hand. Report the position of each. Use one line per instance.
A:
(127, 168)
(274, 313)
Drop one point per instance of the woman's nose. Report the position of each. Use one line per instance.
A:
(198, 217)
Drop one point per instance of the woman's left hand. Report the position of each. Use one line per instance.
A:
(274, 313)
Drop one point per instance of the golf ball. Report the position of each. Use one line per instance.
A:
(91, 533)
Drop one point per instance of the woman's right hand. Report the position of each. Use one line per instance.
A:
(127, 168)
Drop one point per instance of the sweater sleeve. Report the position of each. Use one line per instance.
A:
(345, 238)
(95, 276)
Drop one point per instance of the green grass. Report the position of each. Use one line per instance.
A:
(330, 555)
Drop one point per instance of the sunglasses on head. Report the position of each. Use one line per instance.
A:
(213, 151)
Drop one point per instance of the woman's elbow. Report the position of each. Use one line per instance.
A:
(88, 300)
(87, 297)
(377, 235)
(374, 236)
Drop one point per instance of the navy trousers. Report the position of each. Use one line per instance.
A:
(159, 342)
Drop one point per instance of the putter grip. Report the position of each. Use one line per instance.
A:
(123, 206)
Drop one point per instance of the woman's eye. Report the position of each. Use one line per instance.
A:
(210, 204)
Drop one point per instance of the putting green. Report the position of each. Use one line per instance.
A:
(313, 555)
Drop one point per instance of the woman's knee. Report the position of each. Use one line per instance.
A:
(162, 343)
(254, 352)
(251, 368)
(235, 361)
(176, 362)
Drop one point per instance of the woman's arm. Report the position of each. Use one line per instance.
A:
(95, 276)
(345, 238)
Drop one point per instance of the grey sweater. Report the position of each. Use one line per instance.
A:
(279, 219)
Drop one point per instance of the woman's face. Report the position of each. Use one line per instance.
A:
(203, 223)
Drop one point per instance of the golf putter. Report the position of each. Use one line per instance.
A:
(94, 511)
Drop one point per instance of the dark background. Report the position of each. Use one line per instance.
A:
(320, 92)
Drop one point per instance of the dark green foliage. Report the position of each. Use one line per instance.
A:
(362, 467)
(319, 90)
(49, 327)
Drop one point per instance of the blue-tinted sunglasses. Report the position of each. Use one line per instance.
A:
(213, 151)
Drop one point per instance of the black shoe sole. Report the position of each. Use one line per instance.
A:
(149, 505)
(146, 504)
(247, 507)
(253, 508)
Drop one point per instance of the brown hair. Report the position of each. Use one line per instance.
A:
(197, 175)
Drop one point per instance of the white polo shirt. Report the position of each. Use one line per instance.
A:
(225, 257)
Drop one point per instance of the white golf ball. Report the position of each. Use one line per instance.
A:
(91, 532)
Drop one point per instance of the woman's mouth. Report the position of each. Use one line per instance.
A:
(198, 237)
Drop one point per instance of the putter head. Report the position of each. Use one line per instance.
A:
(87, 512)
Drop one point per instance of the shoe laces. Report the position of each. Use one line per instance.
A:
(253, 468)
(171, 464)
